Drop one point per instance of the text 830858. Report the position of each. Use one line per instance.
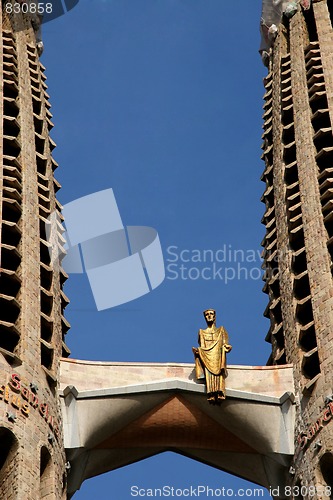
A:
(28, 8)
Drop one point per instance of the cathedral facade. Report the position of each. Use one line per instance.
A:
(48, 446)
(298, 154)
(32, 325)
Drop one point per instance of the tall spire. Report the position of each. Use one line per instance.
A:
(32, 325)
(298, 146)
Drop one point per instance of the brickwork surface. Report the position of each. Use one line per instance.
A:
(32, 302)
(301, 70)
(298, 249)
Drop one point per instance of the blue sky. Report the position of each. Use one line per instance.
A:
(161, 100)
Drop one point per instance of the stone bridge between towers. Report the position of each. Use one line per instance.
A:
(115, 414)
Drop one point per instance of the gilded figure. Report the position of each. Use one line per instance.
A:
(210, 357)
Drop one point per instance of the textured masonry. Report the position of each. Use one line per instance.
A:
(298, 246)
(298, 253)
(32, 326)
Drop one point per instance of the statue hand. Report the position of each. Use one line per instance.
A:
(195, 351)
(227, 347)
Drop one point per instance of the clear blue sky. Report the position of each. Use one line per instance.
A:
(161, 100)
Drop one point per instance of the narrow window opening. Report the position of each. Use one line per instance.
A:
(326, 467)
(330, 10)
(45, 472)
(8, 462)
(311, 24)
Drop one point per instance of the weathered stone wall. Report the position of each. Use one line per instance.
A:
(32, 326)
(301, 141)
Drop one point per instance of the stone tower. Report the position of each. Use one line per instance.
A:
(298, 246)
(298, 251)
(32, 325)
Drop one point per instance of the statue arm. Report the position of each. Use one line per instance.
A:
(226, 344)
(195, 350)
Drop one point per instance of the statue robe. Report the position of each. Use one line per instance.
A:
(211, 359)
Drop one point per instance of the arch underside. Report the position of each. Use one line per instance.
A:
(250, 435)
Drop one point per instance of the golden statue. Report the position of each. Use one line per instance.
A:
(210, 357)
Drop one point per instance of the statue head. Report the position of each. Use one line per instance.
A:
(210, 316)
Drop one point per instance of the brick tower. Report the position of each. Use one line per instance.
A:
(298, 251)
(32, 325)
(298, 246)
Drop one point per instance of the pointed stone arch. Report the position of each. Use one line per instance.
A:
(326, 469)
(46, 473)
(119, 414)
(9, 469)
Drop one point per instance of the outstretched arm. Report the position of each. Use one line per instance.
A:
(226, 344)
